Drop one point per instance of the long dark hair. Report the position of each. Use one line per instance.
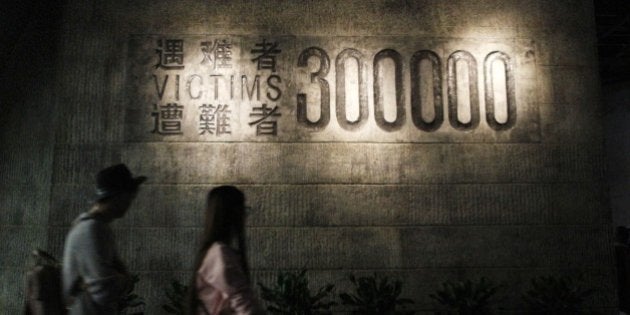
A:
(224, 222)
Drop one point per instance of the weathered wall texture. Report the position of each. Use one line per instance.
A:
(423, 206)
(617, 100)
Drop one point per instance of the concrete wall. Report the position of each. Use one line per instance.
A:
(425, 207)
(28, 100)
(617, 100)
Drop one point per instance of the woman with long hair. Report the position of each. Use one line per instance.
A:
(220, 283)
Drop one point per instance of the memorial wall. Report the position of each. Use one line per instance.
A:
(424, 140)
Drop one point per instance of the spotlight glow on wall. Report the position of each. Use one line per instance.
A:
(301, 88)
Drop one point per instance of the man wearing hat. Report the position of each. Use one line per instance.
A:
(94, 278)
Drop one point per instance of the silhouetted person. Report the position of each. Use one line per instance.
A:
(622, 254)
(220, 283)
(94, 278)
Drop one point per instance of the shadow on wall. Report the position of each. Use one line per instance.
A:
(616, 100)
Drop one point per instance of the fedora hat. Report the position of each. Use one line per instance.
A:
(115, 180)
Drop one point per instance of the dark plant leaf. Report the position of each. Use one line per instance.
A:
(291, 295)
(373, 295)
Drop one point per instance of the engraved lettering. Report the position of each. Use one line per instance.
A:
(214, 119)
(160, 91)
(216, 84)
(509, 88)
(170, 53)
(316, 77)
(189, 86)
(379, 113)
(255, 87)
(416, 94)
(177, 87)
(274, 87)
(167, 119)
(340, 67)
(232, 87)
(218, 53)
(266, 55)
(455, 57)
(266, 122)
